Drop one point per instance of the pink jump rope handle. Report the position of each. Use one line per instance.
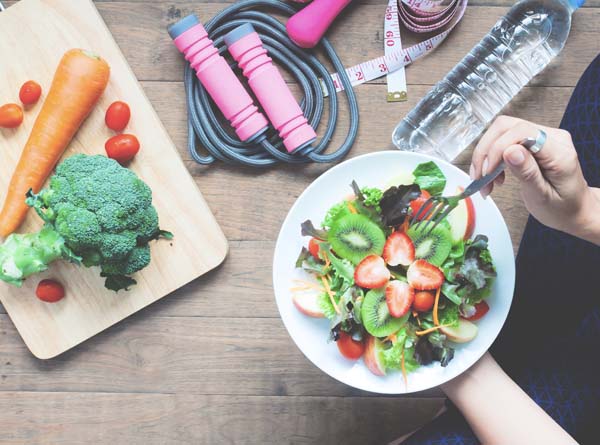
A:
(307, 27)
(217, 78)
(270, 89)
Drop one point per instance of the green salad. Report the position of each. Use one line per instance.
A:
(398, 295)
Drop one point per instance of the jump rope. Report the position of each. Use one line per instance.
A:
(254, 38)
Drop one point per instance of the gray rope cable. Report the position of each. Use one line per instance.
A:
(204, 126)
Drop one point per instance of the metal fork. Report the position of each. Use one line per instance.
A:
(437, 208)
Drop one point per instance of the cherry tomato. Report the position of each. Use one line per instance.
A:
(122, 147)
(423, 301)
(30, 92)
(117, 116)
(416, 204)
(350, 348)
(50, 291)
(481, 309)
(313, 248)
(11, 116)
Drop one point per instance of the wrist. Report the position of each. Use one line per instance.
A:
(481, 373)
(586, 225)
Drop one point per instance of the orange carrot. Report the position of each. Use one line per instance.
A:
(79, 81)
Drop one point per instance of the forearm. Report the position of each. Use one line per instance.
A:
(498, 411)
(587, 225)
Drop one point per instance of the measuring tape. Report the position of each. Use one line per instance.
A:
(418, 16)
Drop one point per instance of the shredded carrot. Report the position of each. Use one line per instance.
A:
(403, 369)
(328, 290)
(351, 207)
(391, 337)
(430, 330)
(327, 262)
(436, 320)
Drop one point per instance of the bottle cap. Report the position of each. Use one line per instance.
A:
(576, 4)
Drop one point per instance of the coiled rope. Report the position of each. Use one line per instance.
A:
(206, 130)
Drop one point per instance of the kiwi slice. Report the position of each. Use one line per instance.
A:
(433, 247)
(354, 236)
(376, 317)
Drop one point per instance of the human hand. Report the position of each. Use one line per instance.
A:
(551, 181)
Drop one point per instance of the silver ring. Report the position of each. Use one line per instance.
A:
(535, 145)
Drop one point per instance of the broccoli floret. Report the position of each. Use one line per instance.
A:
(97, 213)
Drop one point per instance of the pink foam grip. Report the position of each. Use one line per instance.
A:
(221, 83)
(307, 27)
(272, 92)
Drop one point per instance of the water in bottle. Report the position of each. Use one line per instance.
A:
(457, 109)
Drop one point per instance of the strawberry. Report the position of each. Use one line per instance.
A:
(399, 250)
(424, 276)
(371, 272)
(399, 297)
(313, 248)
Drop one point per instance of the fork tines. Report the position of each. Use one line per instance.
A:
(434, 210)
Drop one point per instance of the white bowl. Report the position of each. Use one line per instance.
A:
(311, 334)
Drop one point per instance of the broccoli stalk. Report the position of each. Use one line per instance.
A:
(31, 253)
(96, 213)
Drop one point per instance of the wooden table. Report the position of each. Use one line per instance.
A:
(213, 363)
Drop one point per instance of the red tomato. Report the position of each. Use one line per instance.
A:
(313, 248)
(117, 116)
(481, 309)
(423, 301)
(11, 116)
(30, 92)
(122, 147)
(50, 291)
(350, 348)
(416, 204)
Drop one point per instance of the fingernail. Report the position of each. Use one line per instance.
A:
(472, 171)
(484, 167)
(515, 157)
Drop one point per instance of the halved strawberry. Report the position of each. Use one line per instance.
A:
(399, 249)
(424, 276)
(371, 272)
(399, 297)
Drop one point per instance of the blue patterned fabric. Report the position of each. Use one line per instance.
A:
(550, 344)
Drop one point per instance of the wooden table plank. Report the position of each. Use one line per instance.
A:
(193, 355)
(75, 418)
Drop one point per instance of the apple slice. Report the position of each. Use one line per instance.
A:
(308, 304)
(372, 357)
(403, 178)
(462, 219)
(463, 333)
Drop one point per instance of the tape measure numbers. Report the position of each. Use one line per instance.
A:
(419, 16)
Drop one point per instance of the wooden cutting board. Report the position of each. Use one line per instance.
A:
(34, 34)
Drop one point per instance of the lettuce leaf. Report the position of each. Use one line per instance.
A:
(325, 304)
(449, 315)
(334, 213)
(395, 203)
(429, 177)
(391, 358)
(470, 274)
(372, 197)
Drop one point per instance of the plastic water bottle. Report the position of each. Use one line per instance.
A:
(457, 109)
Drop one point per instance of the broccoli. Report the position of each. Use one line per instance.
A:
(96, 213)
